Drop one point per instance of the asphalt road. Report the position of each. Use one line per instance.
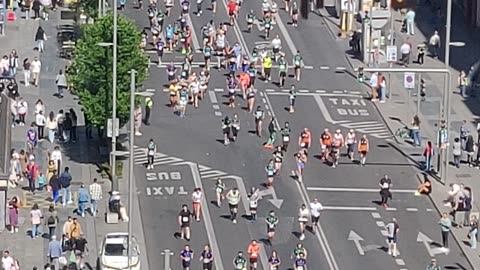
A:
(327, 99)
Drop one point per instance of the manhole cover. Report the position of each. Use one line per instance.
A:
(463, 175)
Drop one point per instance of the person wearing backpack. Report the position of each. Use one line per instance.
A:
(52, 221)
(65, 181)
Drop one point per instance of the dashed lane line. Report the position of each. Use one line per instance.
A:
(334, 189)
(376, 215)
(380, 224)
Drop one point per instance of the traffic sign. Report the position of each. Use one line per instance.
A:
(392, 54)
(409, 80)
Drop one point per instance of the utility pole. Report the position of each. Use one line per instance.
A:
(131, 164)
(114, 101)
(370, 36)
(392, 43)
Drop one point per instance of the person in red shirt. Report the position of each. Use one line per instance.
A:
(232, 11)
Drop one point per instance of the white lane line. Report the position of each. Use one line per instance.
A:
(391, 209)
(355, 92)
(284, 31)
(218, 90)
(400, 262)
(150, 90)
(212, 174)
(196, 44)
(285, 90)
(269, 113)
(376, 215)
(264, 100)
(165, 90)
(217, 113)
(323, 109)
(216, 107)
(269, 90)
(324, 68)
(349, 208)
(380, 224)
(303, 91)
(430, 210)
(340, 68)
(384, 233)
(202, 168)
(318, 94)
(371, 130)
(267, 108)
(207, 217)
(412, 209)
(308, 67)
(261, 94)
(320, 91)
(337, 91)
(369, 123)
(333, 189)
(213, 97)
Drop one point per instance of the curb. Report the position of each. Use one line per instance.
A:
(464, 249)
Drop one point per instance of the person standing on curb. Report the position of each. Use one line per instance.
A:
(457, 152)
(463, 83)
(472, 234)
(410, 20)
(148, 110)
(428, 154)
(445, 227)
(61, 82)
(434, 43)
(54, 252)
(95, 190)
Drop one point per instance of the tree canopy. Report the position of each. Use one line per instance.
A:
(92, 66)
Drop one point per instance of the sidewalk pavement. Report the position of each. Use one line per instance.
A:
(400, 108)
(81, 156)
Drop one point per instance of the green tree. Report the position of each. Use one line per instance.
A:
(91, 70)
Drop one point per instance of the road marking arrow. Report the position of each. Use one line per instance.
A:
(275, 200)
(167, 253)
(431, 251)
(353, 236)
(259, 25)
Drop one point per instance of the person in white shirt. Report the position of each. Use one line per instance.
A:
(40, 121)
(373, 86)
(435, 44)
(4, 66)
(35, 68)
(351, 142)
(7, 261)
(22, 109)
(315, 208)
(405, 50)
(303, 214)
(56, 156)
(197, 199)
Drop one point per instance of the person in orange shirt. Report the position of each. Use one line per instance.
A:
(363, 149)
(305, 139)
(244, 81)
(326, 143)
(253, 253)
(232, 11)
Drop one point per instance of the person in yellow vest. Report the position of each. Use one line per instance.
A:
(148, 110)
(267, 67)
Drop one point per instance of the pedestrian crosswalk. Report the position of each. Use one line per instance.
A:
(140, 158)
(372, 128)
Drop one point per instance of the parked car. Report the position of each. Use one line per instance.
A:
(113, 252)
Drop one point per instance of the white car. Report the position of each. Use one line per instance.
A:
(113, 254)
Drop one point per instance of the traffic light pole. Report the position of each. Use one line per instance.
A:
(419, 88)
(444, 112)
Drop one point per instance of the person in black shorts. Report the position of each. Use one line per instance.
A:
(184, 220)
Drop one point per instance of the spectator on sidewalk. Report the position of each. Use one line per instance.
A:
(473, 233)
(467, 201)
(7, 261)
(73, 129)
(23, 162)
(415, 131)
(26, 71)
(22, 110)
(52, 221)
(36, 6)
(40, 123)
(51, 126)
(35, 68)
(381, 87)
(428, 154)
(54, 252)
(66, 227)
(13, 206)
(4, 66)
(95, 190)
(445, 227)
(56, 156)
(462, 83)
(410, 20)
(60, 118)
(374, 86)
(13, 63)
(405, 50)
(75, 229)
(32, 170)
(435, 44)
(61, 82)
(67, 127)
(421, 48)
(14, 111)
(32, 138)
(65, 182)
(470, 150)
(40, 37)
(55, 186)
(464, 132)
(457, 152)
(27, 7)
(83, 199)
(36, 219)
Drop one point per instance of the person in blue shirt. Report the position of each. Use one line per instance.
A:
(300, 262)
(207, 258)
(83, 199)
(186, 256)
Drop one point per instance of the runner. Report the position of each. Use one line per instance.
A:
(325, 143)
(292, 95)
(299, 250)
(272, 138)
(270, 169)
(253, 198)
(385, 185)
(337, 143)
(278, 159)
(219, 190)
(226, 127)
(351, 142)
(232, 11)
(274, 261)
(197, 199)
(276, 47)
(235, 126)
(183, 100)
(207, 258)
(272, 222)
(184, 220)
(363, 149)
(300, 262)
(207, 55)
(186, 255)
(297, 63)
(294, 15)
(305, 139)
(282, 70)
(151, 150)
(300, 160)
(252, 71)
(267, 67)
(392, 229)
(250, 98)
(285, 131)
(244, 80)
(253, 252)
(315, 208)
(250, 20)
(303, 214)
(203, 79)
(233, 197)
(240, 263)
(232, 90)
(259, 116)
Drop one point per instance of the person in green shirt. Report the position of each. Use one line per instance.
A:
(285, 131)
(272, 221)
(272, 130)
(282, 70)
(297, 63)
(240, 263)
(433, 265)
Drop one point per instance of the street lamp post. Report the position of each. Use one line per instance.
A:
(114, 97)
(131, 160)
